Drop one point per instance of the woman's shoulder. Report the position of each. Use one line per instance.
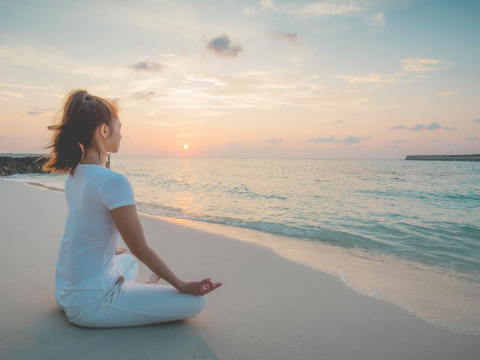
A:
(117, 190)
(113, 177)
(118, 175)
(109, 173)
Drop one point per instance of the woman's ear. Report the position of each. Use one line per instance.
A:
(83, 149)
(103, 130)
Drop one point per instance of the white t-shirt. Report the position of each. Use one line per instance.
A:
(86, 269)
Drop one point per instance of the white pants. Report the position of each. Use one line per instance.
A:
(130, 303)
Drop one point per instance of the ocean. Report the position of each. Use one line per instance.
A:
(421, 213)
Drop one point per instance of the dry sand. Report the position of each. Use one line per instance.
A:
(267, 308)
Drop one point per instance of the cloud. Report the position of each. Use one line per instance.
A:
(291, 38)
(423, 65)
(332, 139)
(213, 113)
(266, 91)
(231, 145)
(222, 46)
(163, 123)
(140, 95)
(371, 78)
(338, 121)
(419, 98)
(201, 78)
(477, 121)
(434, 126)
(266, 4)
(2, 137)
(450, 128)
(147, 66)
(398, 127)
(378, 21)
(17, 53)
(327, 8)
(410, 65)
(38, 111)
(399, 141)
(418, 127)
(58, 96)
(449, 145)
(445, 93)
(115, 99)
(160, 123)
(436, 140)
(16, 95)
(275, 141)
(23, 86)
(319, 8)
(250, 10)
(471, 138)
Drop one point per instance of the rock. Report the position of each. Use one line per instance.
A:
(18, 164)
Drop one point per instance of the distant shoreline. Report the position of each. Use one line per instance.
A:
(470, 157)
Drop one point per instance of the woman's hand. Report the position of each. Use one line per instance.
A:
(120, 251)
(200, 287)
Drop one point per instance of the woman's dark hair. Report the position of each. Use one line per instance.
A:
(82, 114)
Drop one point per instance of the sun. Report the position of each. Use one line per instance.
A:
(185, 146)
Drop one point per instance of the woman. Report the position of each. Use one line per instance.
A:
(95, 283)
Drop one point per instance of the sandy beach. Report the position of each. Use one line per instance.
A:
(267, 308)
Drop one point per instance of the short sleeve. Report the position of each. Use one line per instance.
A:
(117, 191)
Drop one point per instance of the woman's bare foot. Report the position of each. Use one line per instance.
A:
(154, 279)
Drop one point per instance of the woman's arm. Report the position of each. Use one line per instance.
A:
(130, 228)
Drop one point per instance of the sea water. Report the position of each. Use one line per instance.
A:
(416, 214)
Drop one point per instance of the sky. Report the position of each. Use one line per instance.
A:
(332, 79)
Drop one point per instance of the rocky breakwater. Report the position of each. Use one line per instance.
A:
(10, 165)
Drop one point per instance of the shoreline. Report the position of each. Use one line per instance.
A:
(314, 255)
(417, 291)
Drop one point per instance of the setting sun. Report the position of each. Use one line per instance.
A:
(185, 146)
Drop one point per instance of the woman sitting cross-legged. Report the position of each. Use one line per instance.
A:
(94, 282)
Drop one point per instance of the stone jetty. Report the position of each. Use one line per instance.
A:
(11, 163)
(21, 164)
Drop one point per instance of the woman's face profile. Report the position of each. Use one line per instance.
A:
(113, 142)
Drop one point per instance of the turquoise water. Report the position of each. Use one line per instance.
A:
(426, 212)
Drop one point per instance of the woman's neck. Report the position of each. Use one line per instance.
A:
(92, 158)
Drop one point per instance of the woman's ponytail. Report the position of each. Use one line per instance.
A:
(82, 114)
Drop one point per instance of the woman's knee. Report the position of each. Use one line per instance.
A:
(74, 316)
(129, 259)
